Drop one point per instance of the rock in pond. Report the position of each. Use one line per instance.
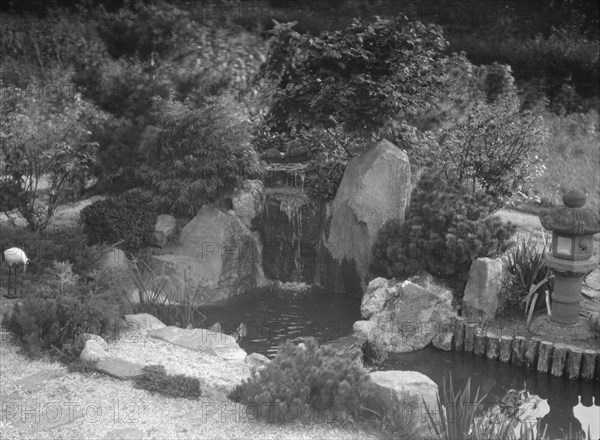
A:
(413, 315)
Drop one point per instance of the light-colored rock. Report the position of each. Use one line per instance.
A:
(200, 339)
(443, 341)
(409, 392)
(81, 339)
(143, 322)
(375, 188)
(217, 258)
(412, 316)
(113, 259)
(257, 360)
(363, 328)
(125, 434)
(93, 352)
(248, 201)
(375, 297)
(167, 224)
(119, 368)
(482, 293)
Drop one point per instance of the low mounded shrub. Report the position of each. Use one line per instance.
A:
(58, 308)
(303, 382)
(128, 217)
(446, 228)
(156, 380)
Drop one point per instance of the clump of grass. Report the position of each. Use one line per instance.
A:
(527, 276)
(156, 380)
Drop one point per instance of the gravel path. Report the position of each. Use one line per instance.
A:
(93, 406)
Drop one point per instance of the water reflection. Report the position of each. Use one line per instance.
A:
(563, 402)
(271, 317)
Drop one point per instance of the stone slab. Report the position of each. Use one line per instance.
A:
(37, 381)
(200, 339)
(119, 368)
(125, 434)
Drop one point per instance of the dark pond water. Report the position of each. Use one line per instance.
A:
(272, 316)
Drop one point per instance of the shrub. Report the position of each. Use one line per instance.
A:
(358, 78)
(496, 147)
(446, 228)
(46, 143)
(57, 309)
(196, 155)
(128, 218)
(156, 380)
(300, 380)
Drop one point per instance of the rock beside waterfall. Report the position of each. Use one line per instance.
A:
(375, 188)
(217, 258)
(248, 201)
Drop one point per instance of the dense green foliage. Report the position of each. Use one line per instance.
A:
(303, 381)
(58, 308)
(446, 228)
(196, 155)
(359, 78)
(128, 218)
(156, 380)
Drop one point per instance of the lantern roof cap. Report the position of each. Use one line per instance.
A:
(572, 219)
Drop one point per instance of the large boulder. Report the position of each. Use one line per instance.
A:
(217, 258)
(412, 316)
(410, 394)
(248, 201)
(375, 188)
(143, 322)
(482, 293)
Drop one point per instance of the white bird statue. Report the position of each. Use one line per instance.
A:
(14, 257)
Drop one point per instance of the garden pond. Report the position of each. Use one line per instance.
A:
(273, 315)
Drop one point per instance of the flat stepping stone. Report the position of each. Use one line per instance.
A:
(119, 368)
(37, 381)
(125, 434)
(200, 339)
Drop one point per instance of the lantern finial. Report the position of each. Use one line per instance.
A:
(574, 199)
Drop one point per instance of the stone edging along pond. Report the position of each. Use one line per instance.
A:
(558, 359)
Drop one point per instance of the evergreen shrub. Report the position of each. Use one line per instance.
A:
(447, 226)
(303, 382)
(128, 217)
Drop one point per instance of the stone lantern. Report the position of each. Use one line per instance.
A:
(571, 255)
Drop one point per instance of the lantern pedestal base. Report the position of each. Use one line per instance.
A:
(543, 327)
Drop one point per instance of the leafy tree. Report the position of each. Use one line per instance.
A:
(44, 143)
(196, 155)
(362, 78)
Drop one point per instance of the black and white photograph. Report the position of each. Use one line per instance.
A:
(300, 219)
